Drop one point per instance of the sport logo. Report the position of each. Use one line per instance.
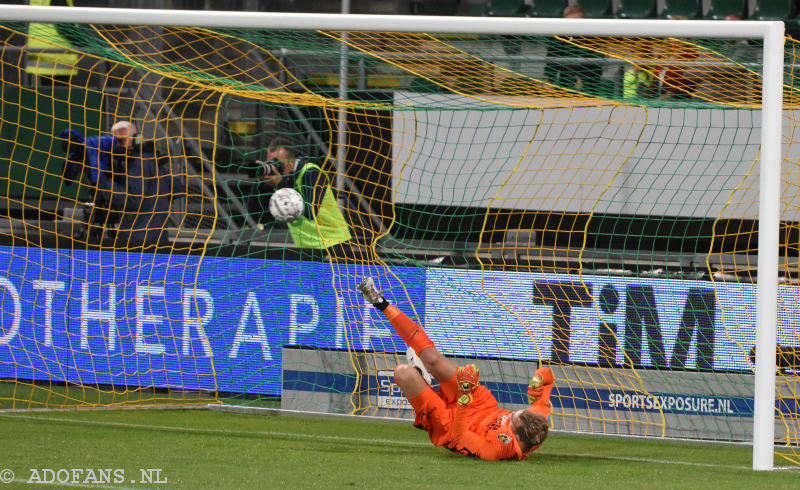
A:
(389, 394)
(504, 438)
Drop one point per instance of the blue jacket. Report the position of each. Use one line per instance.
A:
(141, 193)
(143, 197)
(94, 153)
(99, 150)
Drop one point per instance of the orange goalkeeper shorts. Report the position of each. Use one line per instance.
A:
(435, 410)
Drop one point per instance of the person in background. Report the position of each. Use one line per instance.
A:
(95, 158)
(101, 151)
(132, 193)
(637, 80)
(322, 224)
(636, 83)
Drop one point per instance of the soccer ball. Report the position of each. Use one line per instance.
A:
(286, 204)
(413, 359)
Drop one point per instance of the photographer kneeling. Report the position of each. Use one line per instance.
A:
(322, 224)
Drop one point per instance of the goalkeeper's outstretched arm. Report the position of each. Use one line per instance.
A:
(467, 378)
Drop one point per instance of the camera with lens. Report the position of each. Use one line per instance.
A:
(270, 168)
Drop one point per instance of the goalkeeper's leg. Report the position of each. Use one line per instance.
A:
(442, 368)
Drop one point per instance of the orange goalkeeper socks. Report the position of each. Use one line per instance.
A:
(407, 329)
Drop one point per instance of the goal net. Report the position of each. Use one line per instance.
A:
(587, 203)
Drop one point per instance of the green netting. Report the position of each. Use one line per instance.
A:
(588, 203)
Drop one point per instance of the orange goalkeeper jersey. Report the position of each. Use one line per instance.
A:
(485, 434)
(482, 429)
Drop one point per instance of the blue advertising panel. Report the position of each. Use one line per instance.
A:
(131, 319)
(599, 320)
(220, 323)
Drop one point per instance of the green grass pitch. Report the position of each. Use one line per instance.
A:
(217, 449)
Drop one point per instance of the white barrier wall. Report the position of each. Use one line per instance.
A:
(454, 150)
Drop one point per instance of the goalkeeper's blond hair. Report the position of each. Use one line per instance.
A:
(531, 429)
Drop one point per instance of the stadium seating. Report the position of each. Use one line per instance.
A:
(691, 9)
(719, 9)
(547, 8)
(785, 10)
(434, 7)
(774, 10)
(597, 8)
(469, 9)
(636, 9)
(506, 8)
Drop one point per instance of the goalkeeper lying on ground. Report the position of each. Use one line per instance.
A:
(463, 416)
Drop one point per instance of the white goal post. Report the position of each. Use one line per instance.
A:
(772, 34)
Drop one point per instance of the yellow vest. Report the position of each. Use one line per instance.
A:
(41, 36)
(328, 227)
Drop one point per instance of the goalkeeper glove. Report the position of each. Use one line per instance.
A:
(534, 389)
(465, 399)
(541, 379)
(468, 379)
